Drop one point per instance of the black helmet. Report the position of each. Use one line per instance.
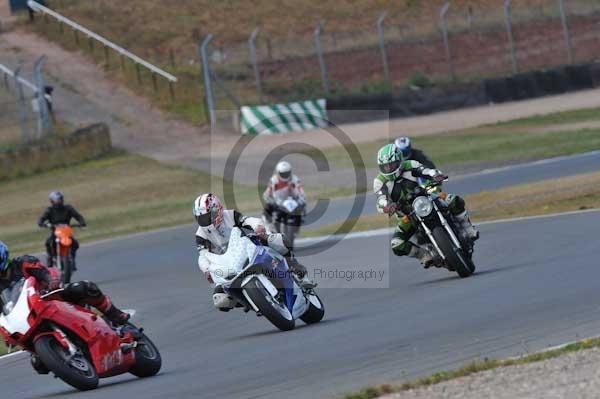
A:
(56, 198)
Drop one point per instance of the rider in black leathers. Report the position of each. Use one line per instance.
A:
(59, 213)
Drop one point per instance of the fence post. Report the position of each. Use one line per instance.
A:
(21, 105)
(384, 58)
(444, 28)
(45, 124)
(565, 25)
(210, 100)
(511, 41)
(254, 60)
(322, 65)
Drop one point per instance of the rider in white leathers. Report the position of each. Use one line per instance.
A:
(214, 231)
(281, 185)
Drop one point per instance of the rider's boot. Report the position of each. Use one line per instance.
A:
(424, 255)
(467, 226)
(300, 272)
(116, 315)
(222, 300)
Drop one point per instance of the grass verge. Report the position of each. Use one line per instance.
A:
(572, 193)
(3, 348)
(118, 194)
(517, 141)
(472, 368)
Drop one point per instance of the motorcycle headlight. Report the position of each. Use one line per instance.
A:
(422, 206)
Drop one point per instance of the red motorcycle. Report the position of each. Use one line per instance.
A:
(76, 344)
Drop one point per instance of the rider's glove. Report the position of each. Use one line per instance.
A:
(261, 231)
(439, 178)
(208, 277)
(390, 208)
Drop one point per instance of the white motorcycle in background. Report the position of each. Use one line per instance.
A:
(259, 279)
(287, 217)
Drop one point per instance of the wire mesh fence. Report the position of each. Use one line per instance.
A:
(25, 107)
(497, 38)
(512, 37)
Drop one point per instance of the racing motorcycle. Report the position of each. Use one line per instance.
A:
(63, 256)
(258, 278)
(288, 217)
(438, 227)
(74, 343)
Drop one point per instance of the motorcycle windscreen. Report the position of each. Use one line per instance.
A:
(233, 261)
(16, 311)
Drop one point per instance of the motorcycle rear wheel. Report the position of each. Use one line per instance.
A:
(455, 257)
(147, 358)
(314, 314)
(78, 372)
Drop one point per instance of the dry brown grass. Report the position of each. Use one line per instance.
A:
(119, 194)
(561, 195)
(157, 23)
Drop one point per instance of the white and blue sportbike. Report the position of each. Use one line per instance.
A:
(258, 278)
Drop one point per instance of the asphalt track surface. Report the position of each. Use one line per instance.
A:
(486, 180)
(536, 285)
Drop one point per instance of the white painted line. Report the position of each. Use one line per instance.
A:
(527, 164)
(389, 230)
(8, 356)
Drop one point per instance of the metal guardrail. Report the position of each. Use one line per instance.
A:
(40, 8)
(24, 82)
(5, 70)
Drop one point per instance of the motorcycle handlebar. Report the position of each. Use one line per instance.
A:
(50, 225)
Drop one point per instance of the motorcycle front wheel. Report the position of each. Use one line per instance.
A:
(276, 312)
(67, 269)
(76, 371)
(455, 258)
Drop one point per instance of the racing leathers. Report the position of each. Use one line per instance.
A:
(422, 158)
(277, 191)
(211, 239)
(81, 293)
(393, 195)
(54, 215)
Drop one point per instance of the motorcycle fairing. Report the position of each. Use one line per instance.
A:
(16, 320)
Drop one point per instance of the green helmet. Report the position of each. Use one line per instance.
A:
(389, 160)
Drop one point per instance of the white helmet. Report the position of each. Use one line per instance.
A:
(404, 146)
(208, 210)
(284, 170)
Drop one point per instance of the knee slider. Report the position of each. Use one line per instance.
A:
(457, 205)
(400, 247)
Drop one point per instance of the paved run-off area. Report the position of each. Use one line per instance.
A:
(573, 375)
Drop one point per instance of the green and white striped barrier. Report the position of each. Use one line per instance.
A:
(283, 118)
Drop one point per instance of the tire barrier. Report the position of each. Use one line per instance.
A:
(421, 101)
(542, 83)
(405, 102)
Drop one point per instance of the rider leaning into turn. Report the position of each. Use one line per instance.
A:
(59, 213)
(82, 293)
(405, 147)
(397, 179)
(282, 184)
(214, 230)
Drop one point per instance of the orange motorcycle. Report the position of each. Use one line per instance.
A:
(63, 256)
